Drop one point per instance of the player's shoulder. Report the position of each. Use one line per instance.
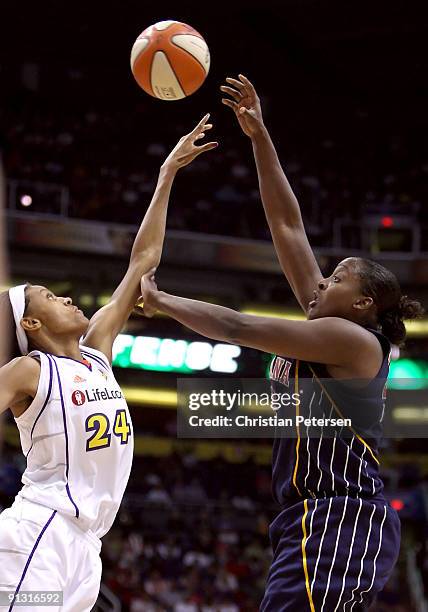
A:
(348, 334)
(347, 327)
(23, 373)
(24, 366)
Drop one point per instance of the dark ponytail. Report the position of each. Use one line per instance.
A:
(392, 321)
(392, 308)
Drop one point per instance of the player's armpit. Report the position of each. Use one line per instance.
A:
(330, 340)
(19, 379)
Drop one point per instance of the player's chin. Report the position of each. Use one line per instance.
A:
(83, 324)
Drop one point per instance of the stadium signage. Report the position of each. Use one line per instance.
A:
(169, 355)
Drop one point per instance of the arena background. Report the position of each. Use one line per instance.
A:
(344, 92)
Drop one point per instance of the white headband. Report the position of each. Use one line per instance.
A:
(17, 300)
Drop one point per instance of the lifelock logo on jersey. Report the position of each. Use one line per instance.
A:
(94, 395)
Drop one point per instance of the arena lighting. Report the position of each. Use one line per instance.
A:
(162, 398)
(417, 328)
(410, 414)
(387, 221)
(169, 355)
(410, 374)
(86, 300)
(26, 200)
(291, 315)
(408, 368)
(102, 300)
(397, 504)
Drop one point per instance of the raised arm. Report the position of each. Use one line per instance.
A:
(326, 340)
(281, 206)
(146, 252)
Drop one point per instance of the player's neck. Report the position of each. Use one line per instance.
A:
(64, 347)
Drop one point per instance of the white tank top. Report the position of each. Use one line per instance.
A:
(78, 439)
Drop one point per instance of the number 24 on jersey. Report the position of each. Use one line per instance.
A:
(99, 424)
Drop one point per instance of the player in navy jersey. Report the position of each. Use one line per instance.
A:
(336, 540)
(74, 423)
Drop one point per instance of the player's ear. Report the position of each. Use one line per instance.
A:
(363, 303)
(30, 325)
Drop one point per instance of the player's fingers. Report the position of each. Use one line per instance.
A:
(207, 147)
(204, 127)
(200, 135)
(248, 84)
(232, 92)
(247, 112)
(230, 103)
(204, 119)
(201, 123)
(200, 132)
(239, 86)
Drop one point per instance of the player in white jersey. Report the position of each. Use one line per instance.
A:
(74, 424)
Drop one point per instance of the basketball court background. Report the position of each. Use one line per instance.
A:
(344, 93)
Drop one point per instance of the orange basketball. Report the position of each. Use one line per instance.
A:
(170, 60)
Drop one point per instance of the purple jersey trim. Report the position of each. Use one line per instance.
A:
(27, 565)
(66, 439)
(88, 367)
(97, 359)
(44, 405)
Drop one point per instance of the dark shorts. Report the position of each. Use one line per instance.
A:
(331, 555)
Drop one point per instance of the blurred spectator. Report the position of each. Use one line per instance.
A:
(342, 177)
(181, 544)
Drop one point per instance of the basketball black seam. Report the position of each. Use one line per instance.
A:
(172, 68)
(188, 53)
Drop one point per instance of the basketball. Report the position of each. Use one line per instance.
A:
(170, 60)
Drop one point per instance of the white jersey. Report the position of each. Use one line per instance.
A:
(78, 439)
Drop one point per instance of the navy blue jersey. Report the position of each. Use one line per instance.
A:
(336, 540)
(331, 555)
(343, 461)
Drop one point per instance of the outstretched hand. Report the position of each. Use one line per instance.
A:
(245, 103)
(149, 290)
(186, 150)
